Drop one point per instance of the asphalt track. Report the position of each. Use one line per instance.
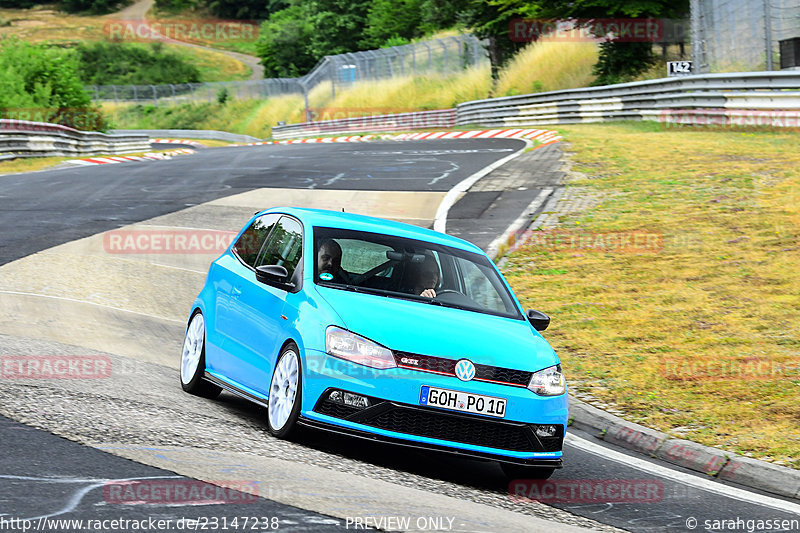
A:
(44, 209)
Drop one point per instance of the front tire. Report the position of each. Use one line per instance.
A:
(513, 471)
(193, 359)
(285, 394)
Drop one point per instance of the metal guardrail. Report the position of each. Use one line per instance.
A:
(22, 138)
(660, 100)
(441, 118)
(192, 134)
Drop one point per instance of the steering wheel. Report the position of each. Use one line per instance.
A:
(448, 291)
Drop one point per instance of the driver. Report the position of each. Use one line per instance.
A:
(423, 277)
(329, 262)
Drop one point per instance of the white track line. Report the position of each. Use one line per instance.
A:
(682, 477)
(75, 300)
(440, 221)
(521, 222)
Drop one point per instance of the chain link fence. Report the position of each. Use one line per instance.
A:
(741, 35)
(440, 56)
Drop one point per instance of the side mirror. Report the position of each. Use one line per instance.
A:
(275, 276)
(538, 320)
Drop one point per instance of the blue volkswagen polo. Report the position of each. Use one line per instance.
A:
(380, 330)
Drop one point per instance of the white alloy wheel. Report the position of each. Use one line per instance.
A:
(283, 390)
(192, 348)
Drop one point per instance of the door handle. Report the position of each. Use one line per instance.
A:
(236, 292)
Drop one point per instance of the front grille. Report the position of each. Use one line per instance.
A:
(442, 365)
(504, 375)
(453, 428)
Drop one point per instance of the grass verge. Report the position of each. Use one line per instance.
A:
(30, 164)
(693, 328)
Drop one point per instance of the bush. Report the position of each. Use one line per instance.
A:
(222, 96)
(41, 83)
(111, 63)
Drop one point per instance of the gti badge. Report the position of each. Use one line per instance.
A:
(465, 370)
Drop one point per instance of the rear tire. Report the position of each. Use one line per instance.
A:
(513, 471)
(285, 394)
(193, 359)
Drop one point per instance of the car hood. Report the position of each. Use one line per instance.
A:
(420, 328)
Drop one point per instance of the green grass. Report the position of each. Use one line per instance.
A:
(698, 333)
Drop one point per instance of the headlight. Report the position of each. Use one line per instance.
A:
(346, 345)
(548, 382)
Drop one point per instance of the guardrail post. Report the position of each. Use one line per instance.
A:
(135, 95)
(115, 93)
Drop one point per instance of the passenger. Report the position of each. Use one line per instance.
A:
(329, 261)
(422, 278)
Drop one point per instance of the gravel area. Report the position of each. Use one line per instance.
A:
(142, 404)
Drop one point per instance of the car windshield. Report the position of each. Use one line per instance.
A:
(397, 267)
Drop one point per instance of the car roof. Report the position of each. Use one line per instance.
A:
(338, 219)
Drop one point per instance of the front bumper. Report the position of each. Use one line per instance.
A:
(401, 419)
(421, 445)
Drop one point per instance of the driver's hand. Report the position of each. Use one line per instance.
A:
(428, 293)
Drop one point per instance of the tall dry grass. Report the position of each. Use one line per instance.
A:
(548, 65)
(402, 94)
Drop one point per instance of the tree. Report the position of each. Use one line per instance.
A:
(491, 20)
(284, 43)
(294, 39)
(338, 26)
(618, 61)
(392, 19)
(246, 9)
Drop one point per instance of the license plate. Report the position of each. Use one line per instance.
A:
(462, 401)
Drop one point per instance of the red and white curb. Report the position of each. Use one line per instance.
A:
(542, 136)
(112, 159)
(178, 141)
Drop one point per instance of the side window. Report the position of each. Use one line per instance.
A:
(285, 245)
(479, 288)
(360, 256)
(250, 242)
